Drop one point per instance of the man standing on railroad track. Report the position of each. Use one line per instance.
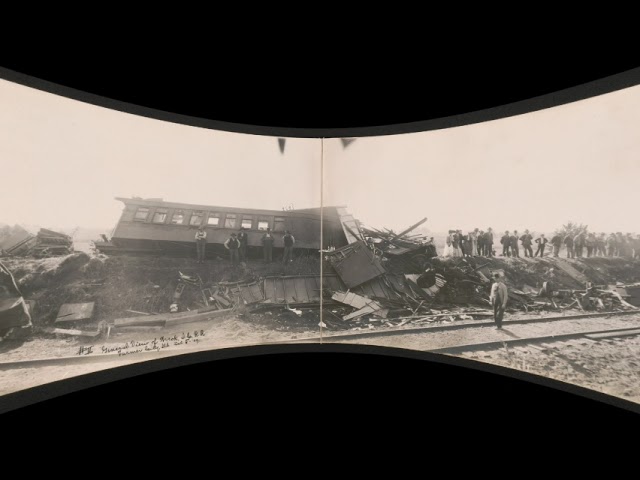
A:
(499, 297)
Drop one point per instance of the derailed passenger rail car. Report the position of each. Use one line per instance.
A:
(156, 226)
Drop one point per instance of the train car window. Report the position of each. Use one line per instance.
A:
(213, 220)
(141, 214)
(247, 221)
(177, 218)
(160, 216)
(230, 221)
(263, 224)
(278, 224)
(196, 218)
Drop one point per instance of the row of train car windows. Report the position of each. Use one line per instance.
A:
(213, 219)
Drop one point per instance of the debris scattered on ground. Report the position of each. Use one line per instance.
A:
(15, 317)
(75, 312)
(397, 288)
(20, 242)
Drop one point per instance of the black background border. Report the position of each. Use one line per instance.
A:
(277, 383)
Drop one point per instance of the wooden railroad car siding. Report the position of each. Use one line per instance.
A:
(155, 225)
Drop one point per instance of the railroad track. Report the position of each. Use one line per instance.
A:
(396, 334)
(592, 335)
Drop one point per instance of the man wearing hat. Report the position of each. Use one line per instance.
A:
(488, 242)
(289, 242)
(527, 241)
(201, 244)
(506, 243)
(267, 246)
(242, 238)
(233, 244)
(499, 297)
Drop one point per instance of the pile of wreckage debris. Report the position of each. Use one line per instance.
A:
(381, 279)
(21, 243)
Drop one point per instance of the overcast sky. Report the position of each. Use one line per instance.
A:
(63, 162)
(577, 162)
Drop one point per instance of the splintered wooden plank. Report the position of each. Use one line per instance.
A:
(289, 293)
(378, 289)
(74, 312)
(270, 289)
(300, 290)
(280, 296)
(75, 333)
(198, 317)
(312, 288)
(251, 293)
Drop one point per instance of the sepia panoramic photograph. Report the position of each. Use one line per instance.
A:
(511, 242)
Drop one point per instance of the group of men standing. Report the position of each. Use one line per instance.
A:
(615, 245)
(601, 245)
(510, 247)
(237, 245)
(476, 243)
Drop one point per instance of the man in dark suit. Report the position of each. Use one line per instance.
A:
(488, 242)
(527, 241)
(568, 241)
(506, 243)
(515, 251)
(243, 238)
(556, 241)
(481, 243)
(542, 242)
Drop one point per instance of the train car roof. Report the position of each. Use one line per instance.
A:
(154, 202)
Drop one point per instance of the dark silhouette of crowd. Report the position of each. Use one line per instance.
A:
(479, 243)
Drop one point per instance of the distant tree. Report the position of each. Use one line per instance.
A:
(571, 228)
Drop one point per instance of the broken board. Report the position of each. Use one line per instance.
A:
(572, 272)
(364, 305)
(355, 264)
(76, 333)
(75, 312)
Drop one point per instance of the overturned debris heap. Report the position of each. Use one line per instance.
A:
(15, 317)
(45, 243)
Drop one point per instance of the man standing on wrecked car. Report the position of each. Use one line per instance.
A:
(488, 242)
(481, 243)
(232, 244)
(201, 244)
(527, 240)
(556, 241)
(568, 241)
(542, 242)
(242, 238)
(267, 245)
(474, 242)
(499, 297)
(506, 243)
(515, 251)
(289, 242)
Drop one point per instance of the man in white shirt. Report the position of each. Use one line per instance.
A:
(499, 297)
(201, 244)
